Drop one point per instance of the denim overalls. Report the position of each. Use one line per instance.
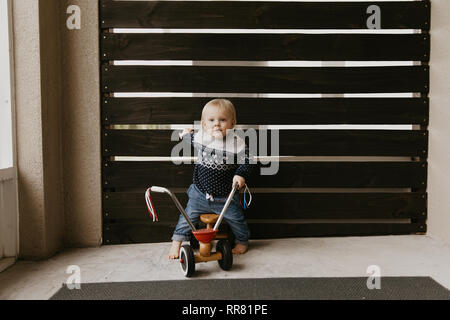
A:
(200, 203)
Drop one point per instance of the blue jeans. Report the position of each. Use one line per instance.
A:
(198, 204)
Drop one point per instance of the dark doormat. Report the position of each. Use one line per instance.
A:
(391, 288)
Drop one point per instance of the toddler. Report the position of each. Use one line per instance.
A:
(223, 161)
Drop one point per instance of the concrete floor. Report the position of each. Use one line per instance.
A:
(411, 255)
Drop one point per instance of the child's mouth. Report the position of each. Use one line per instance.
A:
(217, 133)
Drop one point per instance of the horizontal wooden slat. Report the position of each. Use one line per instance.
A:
(123, 206)
(270, 231)
(262, 47)
(118, 78)
(148, 232)
(270, 110)
(291, 142)
(136, 174)
(136, 232)
(261, 15)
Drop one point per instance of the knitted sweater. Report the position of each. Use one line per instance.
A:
(218, 162)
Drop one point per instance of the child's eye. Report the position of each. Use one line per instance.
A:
(222, 119)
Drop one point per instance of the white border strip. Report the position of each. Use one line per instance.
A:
(336, 221)
(266, 31)
(281, 63)
(266, 127)
(258, 95)
(280, 159)
(290, 0)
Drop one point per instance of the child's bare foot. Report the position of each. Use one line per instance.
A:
(175, 250)
(240, 248)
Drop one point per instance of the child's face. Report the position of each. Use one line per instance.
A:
(216, 122)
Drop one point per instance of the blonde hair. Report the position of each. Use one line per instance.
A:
(222, 104)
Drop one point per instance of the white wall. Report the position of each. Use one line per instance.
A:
(8, 173)
(6, 160)
(439, 127)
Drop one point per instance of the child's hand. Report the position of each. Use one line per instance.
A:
(185, 131)
(239, 181)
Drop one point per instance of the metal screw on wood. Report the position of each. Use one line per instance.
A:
(423, 213)
(423, 182)
(106, 182)
(106, 214)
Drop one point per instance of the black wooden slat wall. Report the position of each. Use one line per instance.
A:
(292, 142)
(278, 209)
(288, 111)
(291, 206)
(241, 47)
(136, 174)
(261, 15)
(264, 79)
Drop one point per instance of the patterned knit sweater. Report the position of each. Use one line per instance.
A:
(219, 161)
